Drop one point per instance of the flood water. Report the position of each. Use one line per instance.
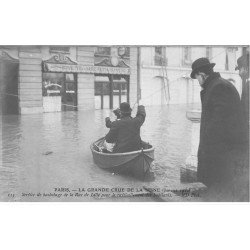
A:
(41, 152)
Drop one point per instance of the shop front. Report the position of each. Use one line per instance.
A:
(111, 83)
(59, 92)
(45, 79)
(112, 89)
(59, 88)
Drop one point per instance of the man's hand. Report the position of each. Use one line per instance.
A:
(117, 113)
(140, 102)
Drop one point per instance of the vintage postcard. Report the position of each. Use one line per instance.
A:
(117, 123)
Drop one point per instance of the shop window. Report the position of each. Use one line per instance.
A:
(226, 61)
(59, 49)
(102, 88)
(127, 52)
(102, 51)
(209, 53)
(59, 92)
(69, 77)
(160, 56)
(245, 50)
(119, 88)
(230, 60)
(110, 91)
(187, 56)
(52, 84)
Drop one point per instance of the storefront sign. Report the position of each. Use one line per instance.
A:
(52, 67)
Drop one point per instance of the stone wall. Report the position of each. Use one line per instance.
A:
(182, 89)
(86, 85)
(133, 76)
(30, 80)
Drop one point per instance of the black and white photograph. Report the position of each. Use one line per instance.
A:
(124, 125)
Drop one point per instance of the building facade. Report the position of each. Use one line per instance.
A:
(165, 71)
(37, 79)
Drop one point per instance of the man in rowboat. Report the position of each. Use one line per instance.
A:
(109, 147)
(125, 132)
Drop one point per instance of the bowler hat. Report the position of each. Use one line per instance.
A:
(200, 63)
(125, 108)
(243, 61)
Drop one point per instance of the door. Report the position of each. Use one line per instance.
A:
(9, 87)
(59, 92)
(52, 88)
(102, 92)
(110, 91)
(120, 92)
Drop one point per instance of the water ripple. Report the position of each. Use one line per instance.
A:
(67, 136)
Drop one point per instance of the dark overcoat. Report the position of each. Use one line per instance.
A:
(222, 131)
(245, 99)
(125, 133)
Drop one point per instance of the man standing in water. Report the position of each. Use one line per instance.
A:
(125, 132)
(222, 136)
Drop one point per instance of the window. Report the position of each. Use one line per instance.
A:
(230, 58)
(59, 49)
(124, 52)
(226, 61)
(209, 53)
(187, 56)
(160, 56)
(52, 84)
(69, 77)
(245, 49)
(127, 52)
(102, 51)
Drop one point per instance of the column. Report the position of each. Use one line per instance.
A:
(86, 85)
(133, 76)
(30, 80)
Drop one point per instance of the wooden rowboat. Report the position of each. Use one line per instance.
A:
(135, 163)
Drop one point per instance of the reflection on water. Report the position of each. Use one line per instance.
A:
(44, 151)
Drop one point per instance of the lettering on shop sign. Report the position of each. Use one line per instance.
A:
(52, 67)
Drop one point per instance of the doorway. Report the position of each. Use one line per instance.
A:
(59, 92)
(110, 91)
(9, 87)
(69, 93)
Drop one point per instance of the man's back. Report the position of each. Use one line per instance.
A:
(125, 133)
(222, 135)
(222, 120)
